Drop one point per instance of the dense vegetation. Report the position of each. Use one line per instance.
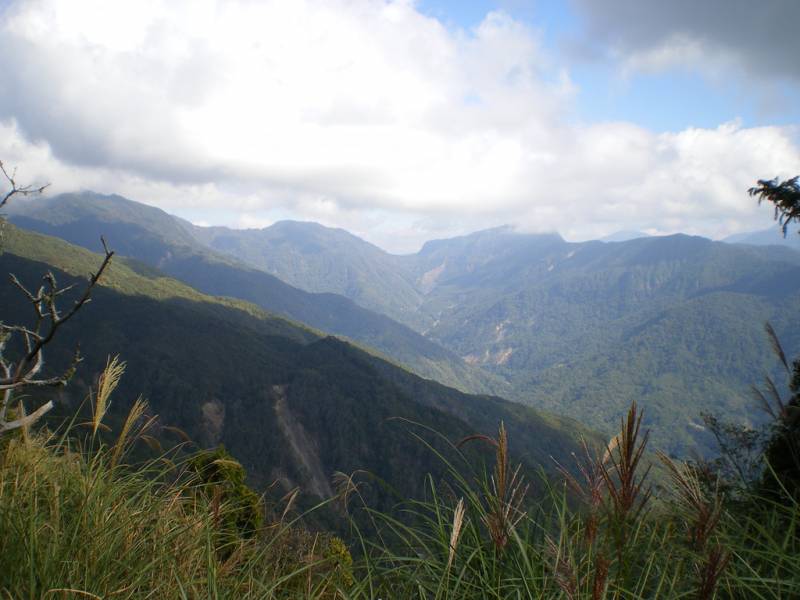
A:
(79, 519)
(159, 240)
(582, 329)
(96, 507)
(674, 323)
(291, 405)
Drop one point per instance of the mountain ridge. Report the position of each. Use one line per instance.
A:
(582, 328)
(167, 243)
(228, 372)
(772, 236)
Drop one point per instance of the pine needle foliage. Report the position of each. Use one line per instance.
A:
(785, 195)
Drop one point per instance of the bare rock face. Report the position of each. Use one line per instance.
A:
(213, 421)
(302, 446)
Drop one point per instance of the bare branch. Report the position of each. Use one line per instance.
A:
(35, 299)
(59, 321)
(26, 190)
(48, 320)
(24, 373)
(27, 419)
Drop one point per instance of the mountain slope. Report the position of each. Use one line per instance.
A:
(163, 241)
(674, 322)
(320, 259)
(292, 406)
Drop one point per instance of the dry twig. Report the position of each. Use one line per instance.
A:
(48, 319)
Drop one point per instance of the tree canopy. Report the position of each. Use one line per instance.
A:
(785, 195)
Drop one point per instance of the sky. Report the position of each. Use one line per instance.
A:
(405, 121)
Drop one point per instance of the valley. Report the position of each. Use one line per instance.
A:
(293, 405)
(578, 329)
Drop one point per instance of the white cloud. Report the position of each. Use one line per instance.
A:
(357, 113)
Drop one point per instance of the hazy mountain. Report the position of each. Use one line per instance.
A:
(290, 405)
(768, 237)
(624, 236)
(321, 259)
(160, 240)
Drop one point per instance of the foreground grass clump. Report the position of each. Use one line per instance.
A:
(77, 523)
(605, 534)
(72, 524)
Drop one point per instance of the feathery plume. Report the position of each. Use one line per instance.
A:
(109, 379)
(137, 411)
(458, 521)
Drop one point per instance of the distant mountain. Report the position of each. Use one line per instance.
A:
(768, 237)
(673, 322)
(321, 259)
(172, 245)
(292, 406)
(624, 236)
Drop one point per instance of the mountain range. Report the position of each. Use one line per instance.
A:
(293, 405)
(581, 329)
(175, 247)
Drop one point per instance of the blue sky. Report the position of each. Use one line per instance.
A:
(670, 100)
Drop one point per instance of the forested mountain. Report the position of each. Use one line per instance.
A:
(673, 322)
(768, 237)
(291, 405)
(321, 259)
(170, 244)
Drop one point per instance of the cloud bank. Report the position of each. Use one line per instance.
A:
(718, 36)
(361, 114)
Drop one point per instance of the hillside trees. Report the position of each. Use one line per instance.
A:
(223, 476)
(783, 447)
(22, 345)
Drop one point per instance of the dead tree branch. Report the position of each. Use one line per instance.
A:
(48, 319)
(16, 189)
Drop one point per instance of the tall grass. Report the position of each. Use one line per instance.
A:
(600, 533)
(78, 521)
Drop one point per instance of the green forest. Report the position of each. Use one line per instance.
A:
(577, 329)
